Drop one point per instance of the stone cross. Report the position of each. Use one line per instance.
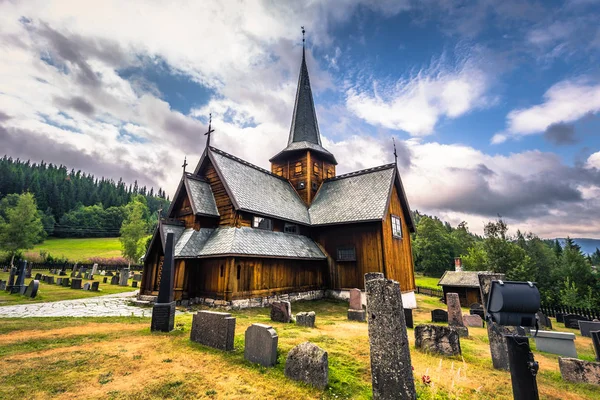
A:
(498, 346)
(391, 368)
(163, 311)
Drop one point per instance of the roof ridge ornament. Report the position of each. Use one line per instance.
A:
(185, 164)
(395, 153)
(210, 130)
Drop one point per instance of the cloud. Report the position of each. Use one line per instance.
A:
(560, 134)
(565, 102)
(416, 104)
(77, 103)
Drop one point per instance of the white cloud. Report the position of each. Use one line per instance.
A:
(416, 104)
(566, 101)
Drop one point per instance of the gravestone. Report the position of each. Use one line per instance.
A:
(59, 281)
(124, 277)
(477, 309)
(572, 320)
(408, 317)
(163, 311)
(455, 318)
(213, 329)
(544, 321)
(50, 280)
(2, 285)
(134, 284)
(73, 274)
(76, 283)
(596, 342)
(306, 319)
(105, 280)
(87, 276)
(391, 368)
(137, 277)
(19, 285)
(579, 371)
(560, 317)
(95, 269)
(355, 299)
(66, 282)
(473, 320)
(110, 273)
(11, 278)
(86, 286)
(308, 363)
(585, 327)
(95, 286)
(498, 346)
(260, 345)
(437, 339)
(439, 315)
(32, 289)
(114, 280)
(28, 270)
(281, 311)
(357, 315)
(561, 343)
(38, 276)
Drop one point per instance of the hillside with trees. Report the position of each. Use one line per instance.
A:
(73, 203)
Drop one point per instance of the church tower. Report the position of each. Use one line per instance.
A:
(304, 162)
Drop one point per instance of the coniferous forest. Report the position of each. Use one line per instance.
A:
(74, 203)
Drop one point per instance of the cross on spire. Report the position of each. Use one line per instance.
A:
(303, 39)
(159, 211)
(210, 130)
(185, 164)
(395, 153)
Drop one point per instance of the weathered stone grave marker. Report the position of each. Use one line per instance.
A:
(59, 281)
(213, 329)
(473, 320)
(260, 345)
(134, 284)
(32, 289)
(163, 311)
(95, 286)
(498, 346)
(2, 285)
(66, 282)
(50, 280)
(308, 363)
(437, 339)
(86, 286)
(356, 312)
(455, 317)
(544, 321)
(306, 319)
(76, 283)
(281, 311)
(391, 368)
(114, 280)
(95, 269)
(38, 276)
(137, 277)
(439, 315)
(579, 371)
(124, 277)
(585, 327)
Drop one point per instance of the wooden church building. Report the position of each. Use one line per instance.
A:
(242, 231)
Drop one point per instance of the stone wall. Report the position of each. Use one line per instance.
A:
(254, 302)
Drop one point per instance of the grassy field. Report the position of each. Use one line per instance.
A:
(119, 358)
(78, 250)
(49, 292)
(426, 281)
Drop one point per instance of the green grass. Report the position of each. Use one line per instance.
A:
(79, 250)
(427, 281)
(49, 292)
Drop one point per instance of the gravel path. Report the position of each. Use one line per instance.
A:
(112, 305)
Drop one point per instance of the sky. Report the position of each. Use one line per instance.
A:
(494, 106)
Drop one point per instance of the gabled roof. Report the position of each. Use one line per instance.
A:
(460, 278)
(201, 196)
(229, 241)
(356, 197)
(257, 190)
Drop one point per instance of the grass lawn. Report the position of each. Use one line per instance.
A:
(79, 250)
(119, 358)
(49, 292)
(427, 281)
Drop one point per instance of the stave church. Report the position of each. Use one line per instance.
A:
(243, 232)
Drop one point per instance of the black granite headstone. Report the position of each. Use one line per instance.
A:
(163, 311)
(572, 320)
(76, 283)
(19, 286)
(32, 289)
(439, 315)
(66, 282)
(560, 317)
(38, 276)
(408, 316)
(114, 280)
(105, 280)
(596, 343)
(2, 285)
(134, 284)
(95, 286)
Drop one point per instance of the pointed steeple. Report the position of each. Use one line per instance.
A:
(304, 120)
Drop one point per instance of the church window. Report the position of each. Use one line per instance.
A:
(396, 227)
(262, 223)
(290, 228)
(239, 271)
(316, 169)
(298, 168)
(279, 171)
(329, 173)
(346, 253)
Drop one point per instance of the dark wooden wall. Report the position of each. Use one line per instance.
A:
(367, 239)
(224, 204)
(398, 252)
(467, 296)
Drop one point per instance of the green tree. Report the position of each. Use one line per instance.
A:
(476, 258)
(20, 226)
(134, 229)
(433, 246)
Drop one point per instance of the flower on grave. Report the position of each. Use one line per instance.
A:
(426, 379)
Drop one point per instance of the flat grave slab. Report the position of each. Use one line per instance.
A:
(561, 343)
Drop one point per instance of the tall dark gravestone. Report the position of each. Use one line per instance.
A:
(19, 286)
(596, 343)
(498, 346)
(11, 279)
(391, 368)
(163, 312)
(523, 368)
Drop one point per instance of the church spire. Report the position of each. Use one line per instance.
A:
(304, 120)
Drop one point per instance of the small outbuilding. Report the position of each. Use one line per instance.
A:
(465, 283)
